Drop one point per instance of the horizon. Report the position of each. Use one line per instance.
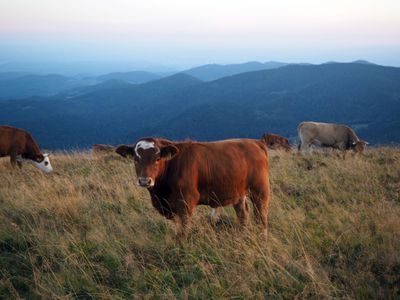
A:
(103, 68)
(180, 35)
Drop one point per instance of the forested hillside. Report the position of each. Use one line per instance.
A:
(364, 96)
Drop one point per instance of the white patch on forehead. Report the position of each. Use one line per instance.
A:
(143, 145)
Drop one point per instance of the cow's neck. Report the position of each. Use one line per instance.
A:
(352, 136)
(32, 150)
(159, 199)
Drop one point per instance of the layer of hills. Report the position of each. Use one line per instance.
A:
(363, 95)
(17, 85)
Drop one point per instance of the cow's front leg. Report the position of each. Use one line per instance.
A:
(184, 208)
(183, 225)
(13, 159)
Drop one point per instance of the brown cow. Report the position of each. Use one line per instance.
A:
(276, 142)
(20, 146)
(335, 136)
(181, 175)
(102, 149)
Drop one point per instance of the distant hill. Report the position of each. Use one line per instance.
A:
(364, 96)
(135, 77)
(109, 84)
(28, 85)
(215, 71)
(361, 61)
(11, 75)
(96, 68)
(15, 85)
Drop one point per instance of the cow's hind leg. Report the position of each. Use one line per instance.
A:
(215, 214)
(260, 198)
(19, 163)
(242, 211)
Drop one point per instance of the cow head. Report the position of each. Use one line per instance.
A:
(43, 163)
(150, 156)
(359, 146)
(276, 142)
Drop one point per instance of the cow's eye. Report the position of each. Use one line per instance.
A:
(46, 163)
(158, 159)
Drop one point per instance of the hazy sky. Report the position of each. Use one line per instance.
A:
(190, 32)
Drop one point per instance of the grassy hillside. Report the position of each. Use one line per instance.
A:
(86, 231)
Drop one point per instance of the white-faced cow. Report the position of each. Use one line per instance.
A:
(336, 136)
(20, 146)
(181, 175)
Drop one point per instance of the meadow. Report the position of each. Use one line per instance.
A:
(86, 231)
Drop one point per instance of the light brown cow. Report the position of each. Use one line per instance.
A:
(181, 175)
(20, 146)
(336, 136)
(276, 142)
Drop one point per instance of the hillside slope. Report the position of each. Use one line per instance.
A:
(135, 77)
(86, 231)
(364, 96)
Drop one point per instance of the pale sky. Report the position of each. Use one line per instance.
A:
(187, 33)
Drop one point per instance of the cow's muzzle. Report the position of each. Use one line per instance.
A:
(145, 182)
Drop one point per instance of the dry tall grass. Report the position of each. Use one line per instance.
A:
(86, 231)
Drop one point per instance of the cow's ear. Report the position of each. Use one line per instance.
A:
(125, 150)
(169, 152)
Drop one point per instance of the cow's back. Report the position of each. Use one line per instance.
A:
(12, 139)
(221, 172)
(325, 133)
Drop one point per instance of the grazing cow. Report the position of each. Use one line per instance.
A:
(276, 142)
(102, 149)
(20, 146)
(336, 136)
(181, 175)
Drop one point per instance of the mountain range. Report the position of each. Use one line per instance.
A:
(17, 85)
(362, 95)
